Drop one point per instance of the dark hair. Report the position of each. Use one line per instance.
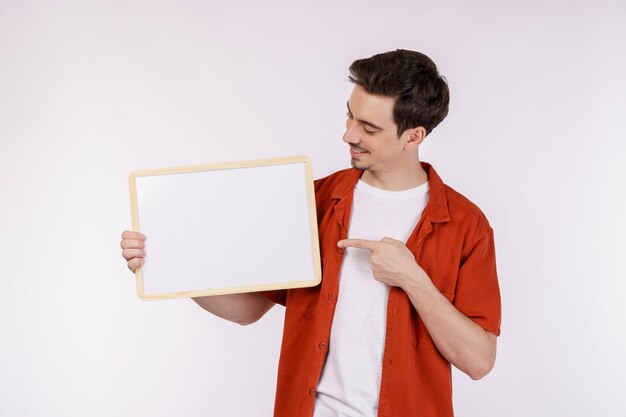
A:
(412, 79)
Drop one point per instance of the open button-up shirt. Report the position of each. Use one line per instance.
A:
(453, 242)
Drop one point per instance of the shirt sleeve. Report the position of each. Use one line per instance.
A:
(477, 292)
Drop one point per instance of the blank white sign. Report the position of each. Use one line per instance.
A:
(226, 228)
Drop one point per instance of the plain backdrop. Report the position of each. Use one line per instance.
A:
(91, 90)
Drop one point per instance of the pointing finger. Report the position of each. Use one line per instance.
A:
(358, 243)
(391, 240)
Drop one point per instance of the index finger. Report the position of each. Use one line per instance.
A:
(358, 243)
(129, 234)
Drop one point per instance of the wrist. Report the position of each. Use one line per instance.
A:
(417, 281)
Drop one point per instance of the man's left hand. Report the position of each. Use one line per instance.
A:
(392, 262)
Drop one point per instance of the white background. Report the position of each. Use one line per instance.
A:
(91, 90)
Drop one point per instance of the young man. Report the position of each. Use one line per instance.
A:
(409, 277)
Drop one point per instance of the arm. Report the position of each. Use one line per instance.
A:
(239, 308)
(462, 342)
(242, 309)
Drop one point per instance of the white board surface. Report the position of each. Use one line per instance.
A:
(226, 228)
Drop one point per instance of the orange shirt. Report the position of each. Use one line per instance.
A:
(452, 242)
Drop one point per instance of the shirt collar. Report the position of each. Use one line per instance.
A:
(437, 208)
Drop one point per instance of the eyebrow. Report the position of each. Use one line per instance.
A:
(365, 122)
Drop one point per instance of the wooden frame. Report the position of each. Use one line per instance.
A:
(226, 228)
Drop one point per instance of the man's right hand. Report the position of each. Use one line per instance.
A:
(244, 308)
(132, 249)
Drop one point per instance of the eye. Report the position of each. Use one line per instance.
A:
(369, 132)
(349, 115)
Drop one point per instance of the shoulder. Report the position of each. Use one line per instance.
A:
(466, 214)
(325, 186)
(451, 208)
(459, 205)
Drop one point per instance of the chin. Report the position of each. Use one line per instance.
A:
(360, 165)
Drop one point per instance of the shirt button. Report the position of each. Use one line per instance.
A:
(323, 345)
(312, 392)
(331, 296)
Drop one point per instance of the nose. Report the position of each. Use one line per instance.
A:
(351, 136)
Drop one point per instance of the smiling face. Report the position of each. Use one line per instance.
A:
(373, 138)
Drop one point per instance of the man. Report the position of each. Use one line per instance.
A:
(409, 278)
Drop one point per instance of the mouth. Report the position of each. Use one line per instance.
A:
(356, 152)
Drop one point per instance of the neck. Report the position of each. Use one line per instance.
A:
(397, 180)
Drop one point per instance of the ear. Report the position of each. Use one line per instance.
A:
(415, 137)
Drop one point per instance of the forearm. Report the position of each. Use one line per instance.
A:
(243, 308)
(461, 341)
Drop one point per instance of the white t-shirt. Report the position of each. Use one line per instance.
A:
(350, 382)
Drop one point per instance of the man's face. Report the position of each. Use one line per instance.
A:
(372, 133)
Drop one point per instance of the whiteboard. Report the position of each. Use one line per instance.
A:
(226, 228)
